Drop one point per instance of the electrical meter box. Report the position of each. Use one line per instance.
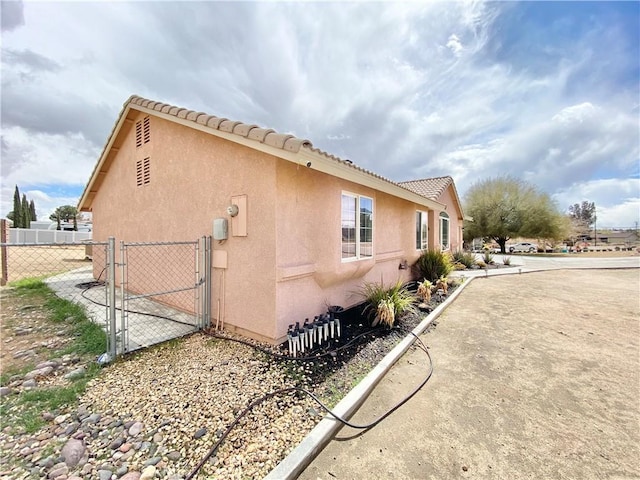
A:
(220, 229)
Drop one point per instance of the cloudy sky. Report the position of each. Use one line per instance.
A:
(547, 92)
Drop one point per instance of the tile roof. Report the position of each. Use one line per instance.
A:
(251, 132)
(428, 187)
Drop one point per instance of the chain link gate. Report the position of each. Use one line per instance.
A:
(165, 292)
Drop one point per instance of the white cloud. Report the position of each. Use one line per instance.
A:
(575, 114)
(455, 45)
(617, 199)
(408, 90)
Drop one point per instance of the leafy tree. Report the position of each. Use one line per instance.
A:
(65, 213)
(585, 212)
(503, 208)
(17, 209)
(582, 216)
(32, 210)
(26, 213)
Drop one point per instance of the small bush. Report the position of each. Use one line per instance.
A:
(467, 259)
(433, 264)
(506, 260)
(487, 258)
(385, 305)
(481, 264)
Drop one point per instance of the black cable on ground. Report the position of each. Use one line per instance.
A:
(267, 396)
(282, 391)
(98, 283)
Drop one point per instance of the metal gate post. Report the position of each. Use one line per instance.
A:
(123, 310)
(206, 313)
(111, 292)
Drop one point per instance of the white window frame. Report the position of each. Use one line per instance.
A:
(422, 230)
(358, 253)
(444, 218)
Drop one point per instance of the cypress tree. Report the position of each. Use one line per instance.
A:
(26, 213)
(17, 209)
(32, 210)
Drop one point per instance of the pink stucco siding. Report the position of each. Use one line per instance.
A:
(192, 178)
(287, 266)
(311, 274)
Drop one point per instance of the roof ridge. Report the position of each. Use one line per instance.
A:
(427, 178)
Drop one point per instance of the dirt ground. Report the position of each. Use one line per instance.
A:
(25, 334)
(535, 376)
(23, 262)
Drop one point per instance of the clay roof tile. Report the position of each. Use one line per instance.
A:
(243, 129)
(227, 126)
(428, 187)
(259, 133)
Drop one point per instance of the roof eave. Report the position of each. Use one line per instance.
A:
(346, 171)
(84, 204)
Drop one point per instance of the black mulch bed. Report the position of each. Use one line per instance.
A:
(340, 366)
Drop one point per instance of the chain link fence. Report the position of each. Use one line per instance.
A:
(155, 292)
(68, 270)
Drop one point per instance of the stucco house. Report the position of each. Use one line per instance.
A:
(309, 229)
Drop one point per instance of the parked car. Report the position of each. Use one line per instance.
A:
(523, 247)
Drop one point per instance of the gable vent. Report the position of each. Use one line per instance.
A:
(143, 131)
(146, 129)
(143, 172)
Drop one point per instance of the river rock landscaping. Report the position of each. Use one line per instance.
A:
(157, 413)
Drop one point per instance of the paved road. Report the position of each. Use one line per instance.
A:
(536, 376)
(531, 263)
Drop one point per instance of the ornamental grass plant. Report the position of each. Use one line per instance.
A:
(433, 264)
(384, 305)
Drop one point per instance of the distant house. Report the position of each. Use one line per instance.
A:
(626, 237)
(310, 227)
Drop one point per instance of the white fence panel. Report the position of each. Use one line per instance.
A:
(19, 236)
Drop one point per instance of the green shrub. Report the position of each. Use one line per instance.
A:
(506, 260)
(467, 259)
(487, 257)
(433, 264)
(385, 305)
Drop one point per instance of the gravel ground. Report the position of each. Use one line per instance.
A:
(158, 413)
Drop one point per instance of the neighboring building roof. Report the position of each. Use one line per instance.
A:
(285, 146)
(429, 187)
(433, 188)
(625, 235)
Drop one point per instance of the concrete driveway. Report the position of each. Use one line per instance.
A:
(535, 376)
